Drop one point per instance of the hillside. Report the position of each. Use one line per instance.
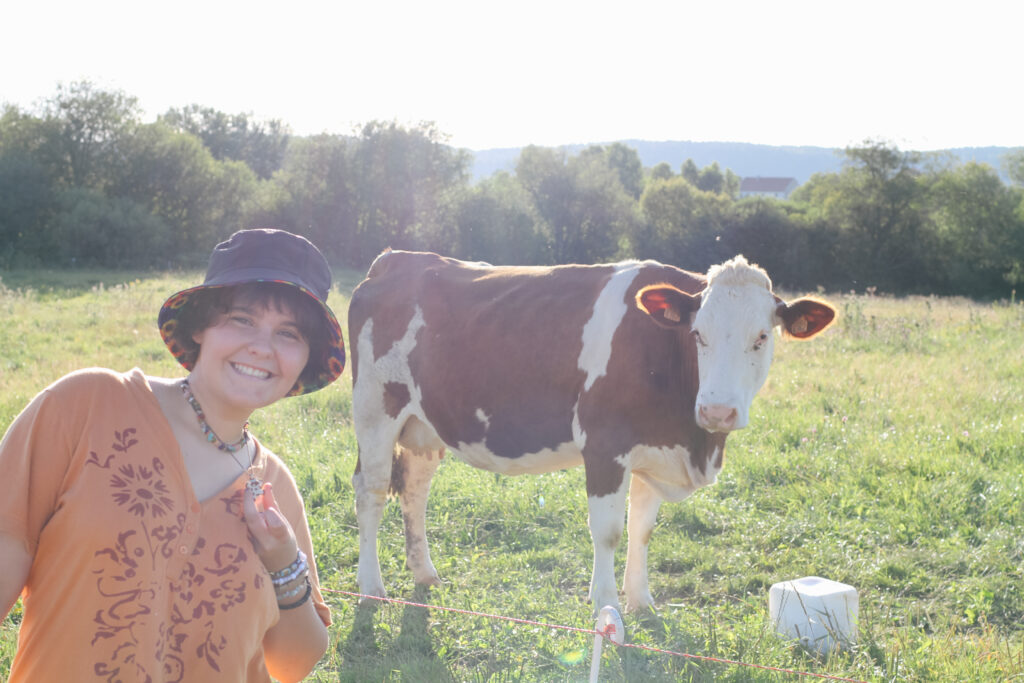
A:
(744, 159)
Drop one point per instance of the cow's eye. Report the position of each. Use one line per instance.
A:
(760, 341)
(699, 338)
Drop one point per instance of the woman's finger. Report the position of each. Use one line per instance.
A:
(271, 532)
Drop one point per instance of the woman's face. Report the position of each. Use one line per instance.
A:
(251, 355)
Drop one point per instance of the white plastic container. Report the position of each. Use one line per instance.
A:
(820, 613)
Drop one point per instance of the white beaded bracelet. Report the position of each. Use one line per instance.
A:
(300, 559)
(285, 580)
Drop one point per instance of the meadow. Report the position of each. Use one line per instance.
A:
(887, 454)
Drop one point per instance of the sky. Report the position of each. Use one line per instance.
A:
(492, 73)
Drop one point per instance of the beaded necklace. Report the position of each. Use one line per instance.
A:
(254, 486)
(211, 436)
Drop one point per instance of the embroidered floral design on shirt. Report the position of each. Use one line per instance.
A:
(210, 650)
(132, 578)
(141, 490)
(124, 440)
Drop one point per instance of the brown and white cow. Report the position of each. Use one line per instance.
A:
(633, 368)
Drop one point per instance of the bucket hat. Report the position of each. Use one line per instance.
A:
(264, 255)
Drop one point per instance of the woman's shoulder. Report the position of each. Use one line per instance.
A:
(85, 394)
(96, 388)
(92, 380)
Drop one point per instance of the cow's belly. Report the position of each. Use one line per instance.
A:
(419, 436)
(670, 472)
(547, 460)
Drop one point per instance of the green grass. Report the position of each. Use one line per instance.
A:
(886, 455)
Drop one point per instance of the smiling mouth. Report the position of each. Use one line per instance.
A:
(250, 371)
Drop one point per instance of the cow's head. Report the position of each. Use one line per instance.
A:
(732, 321)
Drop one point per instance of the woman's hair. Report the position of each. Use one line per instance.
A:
(205, 305)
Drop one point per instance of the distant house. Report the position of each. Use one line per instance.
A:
(780, 188)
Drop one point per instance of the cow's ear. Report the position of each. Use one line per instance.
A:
(668, 306)
(805, 318)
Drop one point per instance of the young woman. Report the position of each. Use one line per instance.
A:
(150, 536)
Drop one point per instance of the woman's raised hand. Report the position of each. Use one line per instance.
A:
(271, 533)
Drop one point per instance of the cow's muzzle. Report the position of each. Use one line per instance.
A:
(717, 418)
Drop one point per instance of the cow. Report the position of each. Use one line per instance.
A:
(636, 370)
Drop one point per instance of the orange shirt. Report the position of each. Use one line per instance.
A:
(133, 578)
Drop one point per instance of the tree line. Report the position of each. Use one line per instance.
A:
(84, 182)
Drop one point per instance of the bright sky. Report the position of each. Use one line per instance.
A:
(920, 74)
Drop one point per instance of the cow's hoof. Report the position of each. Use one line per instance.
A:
(367, 595)
(429, 580)
(641, 603)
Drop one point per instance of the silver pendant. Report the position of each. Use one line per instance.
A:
(254, 487)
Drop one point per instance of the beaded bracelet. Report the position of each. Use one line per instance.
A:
(300, 559)
(285, 580)
(301, 601)
(292, 592)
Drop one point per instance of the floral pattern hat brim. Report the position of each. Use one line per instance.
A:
(280, 257)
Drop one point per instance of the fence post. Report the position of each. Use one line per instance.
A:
(609, 625)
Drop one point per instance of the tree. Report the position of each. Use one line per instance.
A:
(31, 138)
(884, 214)
(90, 126)
(798, 253)
(1013, 163)
(404, 181)
(682, 225)
(625, 161)
(980, 235)
(877, 206)
(260, 145)
(543, 173)
(313, 194)
(690, 171)
(92, 229)
(711, 178)
(580, 200)
(605, 211)
(496, 222)
(26, 206)
(176, 178)
(661, 171)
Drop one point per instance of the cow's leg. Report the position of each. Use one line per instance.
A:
(607, 517)
(410, 481)
(371, 482)
(643, 513)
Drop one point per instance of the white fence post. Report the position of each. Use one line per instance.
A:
(609, 623)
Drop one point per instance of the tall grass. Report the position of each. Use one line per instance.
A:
(886, 455)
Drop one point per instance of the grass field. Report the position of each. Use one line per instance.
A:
(888, 454)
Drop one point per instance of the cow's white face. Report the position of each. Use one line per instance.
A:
(733, 322)
(734, 331)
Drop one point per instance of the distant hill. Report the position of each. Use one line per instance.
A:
(744, 159)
